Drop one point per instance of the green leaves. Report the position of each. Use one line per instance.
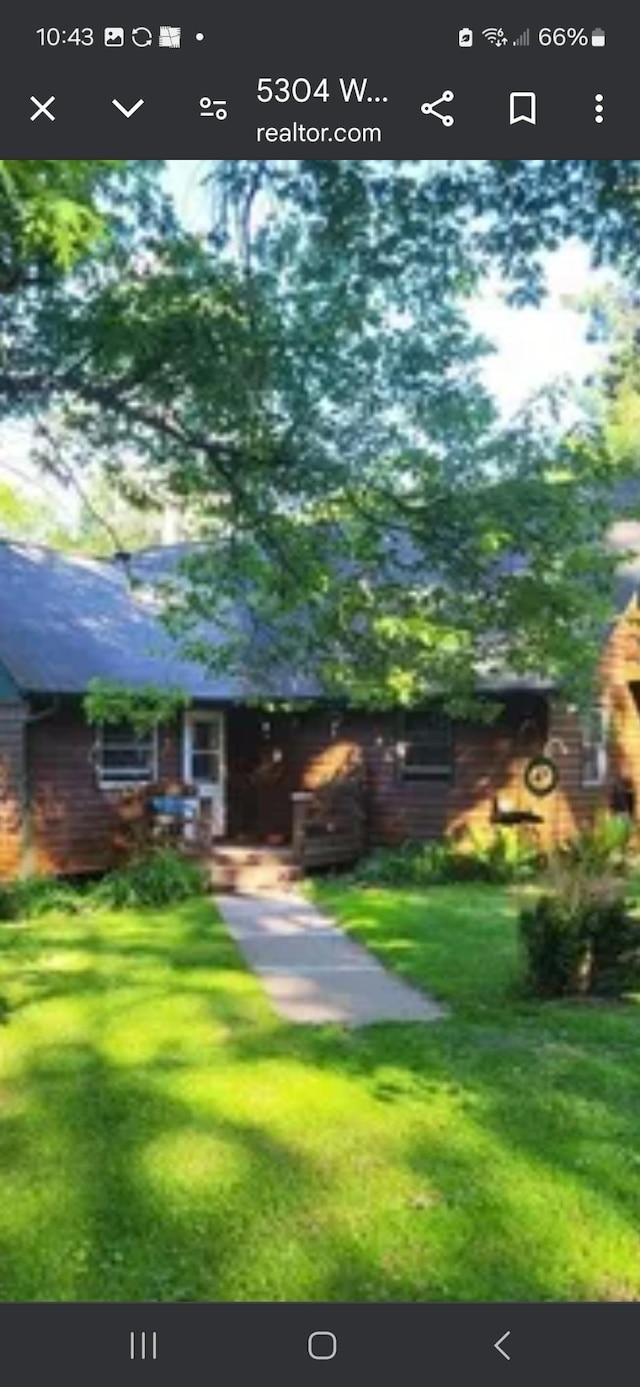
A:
(304, 384)
(146, 707)
(49, 215)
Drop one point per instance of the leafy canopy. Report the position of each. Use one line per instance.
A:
(304, 383)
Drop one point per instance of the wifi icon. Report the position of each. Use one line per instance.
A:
(495, 36)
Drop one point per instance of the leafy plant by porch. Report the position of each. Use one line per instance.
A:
(157, 876)
(502, 857)
(164, 1137)
(110, 701)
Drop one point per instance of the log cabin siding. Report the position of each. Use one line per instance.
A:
(303, 751)
(398, 808)
(76, 824)
(12, 787)
(270, 758)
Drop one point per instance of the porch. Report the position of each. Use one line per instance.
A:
(264, 797)
(278, 791)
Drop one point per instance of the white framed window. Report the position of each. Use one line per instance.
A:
(595, 744)
(426, 750)
(204, 748)
(124, 756)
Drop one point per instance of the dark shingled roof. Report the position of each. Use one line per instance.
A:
(65, 620)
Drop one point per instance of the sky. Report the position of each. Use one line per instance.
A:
(533, 346)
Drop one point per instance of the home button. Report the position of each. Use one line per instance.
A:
(322, 1344)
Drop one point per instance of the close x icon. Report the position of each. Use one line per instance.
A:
(42, 108)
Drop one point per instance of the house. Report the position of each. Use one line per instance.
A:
(68, 792)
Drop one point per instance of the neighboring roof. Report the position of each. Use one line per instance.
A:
(65, 620)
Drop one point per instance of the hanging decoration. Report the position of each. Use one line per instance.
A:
(541, 775)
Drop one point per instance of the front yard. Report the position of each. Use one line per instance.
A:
(164, 1137)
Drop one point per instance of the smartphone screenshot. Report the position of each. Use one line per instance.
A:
(319, 694)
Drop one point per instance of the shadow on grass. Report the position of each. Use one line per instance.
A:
(124, 1238)
(459, 943)
(164, 1137)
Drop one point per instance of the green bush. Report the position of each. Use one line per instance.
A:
(30, 897)
(34, 896)
(411, 864)
(8, 909)
(605, 846)
(580, 938)
(503, 858)
(507, 855)
(161, 877)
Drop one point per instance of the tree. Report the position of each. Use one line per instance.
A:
(20, 517)
(615, 402)
(48, 217)
(531, 206)
(306, 385)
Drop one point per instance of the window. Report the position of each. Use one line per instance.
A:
(124, 756)
(426, 751)
(594, 747)
(203, 750)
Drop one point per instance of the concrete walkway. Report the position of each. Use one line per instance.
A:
(311, 971)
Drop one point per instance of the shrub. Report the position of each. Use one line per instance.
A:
(508, 854)
(411, 864)
(8, 909)
(30, 897)
(160, 877)
(503, 858)
(605, 846)
(34, 896)
(581, 938)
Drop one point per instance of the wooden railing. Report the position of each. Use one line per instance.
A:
(328, 826)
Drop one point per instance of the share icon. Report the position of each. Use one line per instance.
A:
(429, 108)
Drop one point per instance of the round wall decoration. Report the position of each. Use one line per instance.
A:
(541, 775)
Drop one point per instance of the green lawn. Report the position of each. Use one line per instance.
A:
(164, 1137)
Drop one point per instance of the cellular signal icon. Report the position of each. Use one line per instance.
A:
(522, 40)
(495, 36)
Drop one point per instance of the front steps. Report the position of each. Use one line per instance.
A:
(237, 867)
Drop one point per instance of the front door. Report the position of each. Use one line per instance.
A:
(204, 766)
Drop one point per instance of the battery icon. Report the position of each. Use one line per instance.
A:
(597, 38)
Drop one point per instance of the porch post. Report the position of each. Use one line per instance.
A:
(300, 800)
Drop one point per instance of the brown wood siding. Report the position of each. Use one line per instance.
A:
(620, 690)
(12, 787)
(303, 751)
(485, 765)
(77, 826)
